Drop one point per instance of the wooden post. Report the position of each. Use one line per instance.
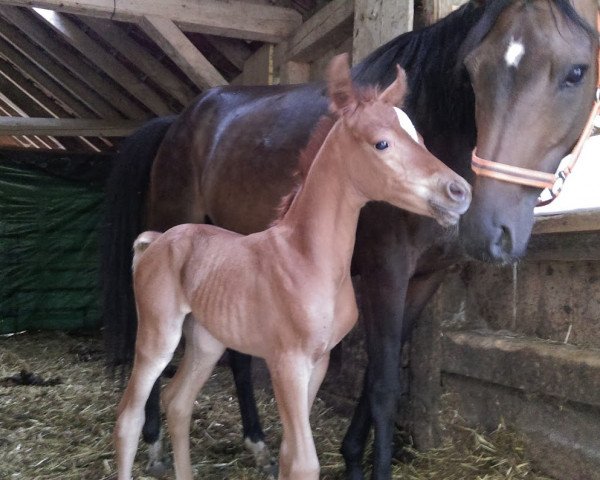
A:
(294, 72)
(378, 21)
(258, 69)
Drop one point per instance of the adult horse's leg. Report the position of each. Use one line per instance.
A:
(254, 437)
(202, 351)
(383, 260)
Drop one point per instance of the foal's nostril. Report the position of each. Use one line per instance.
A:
(456, 192)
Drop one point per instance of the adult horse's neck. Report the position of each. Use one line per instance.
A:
(324, 213)
(440, 100)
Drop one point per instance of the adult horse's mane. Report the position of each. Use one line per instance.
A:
(307, 154)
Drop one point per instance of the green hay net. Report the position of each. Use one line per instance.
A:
(50, 211)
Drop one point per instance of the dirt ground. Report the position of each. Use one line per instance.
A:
(62, 430)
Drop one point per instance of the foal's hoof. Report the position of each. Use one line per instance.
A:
(159, 469)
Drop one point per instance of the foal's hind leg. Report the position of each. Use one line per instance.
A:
(154, 350)
(202, 351)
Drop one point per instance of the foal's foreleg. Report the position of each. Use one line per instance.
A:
(202, 351)
(291, 375)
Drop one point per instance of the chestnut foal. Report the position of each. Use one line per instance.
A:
(284, 294)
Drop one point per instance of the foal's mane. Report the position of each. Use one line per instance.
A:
(308, 154)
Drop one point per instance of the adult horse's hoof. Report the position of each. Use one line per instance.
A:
(271, 472)
(354, 473)
(159, 469)
(263, 459)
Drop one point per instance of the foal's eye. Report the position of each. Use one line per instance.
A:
(381, 145)
(575, 75)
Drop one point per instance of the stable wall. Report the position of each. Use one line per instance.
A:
(50, 212)
(520, 345)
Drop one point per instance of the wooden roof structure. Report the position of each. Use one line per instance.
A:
(74, 74)
(78, 74)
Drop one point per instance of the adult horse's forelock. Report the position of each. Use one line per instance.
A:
(530, 109)
(493, 9)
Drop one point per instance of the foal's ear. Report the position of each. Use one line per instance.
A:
(339, 84)
(395, 93)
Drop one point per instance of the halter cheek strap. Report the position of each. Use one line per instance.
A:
(535, 178)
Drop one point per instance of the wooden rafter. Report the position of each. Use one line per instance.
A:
(74, 86)
(106, 62)
(43, 81)
(33, 101)
(183, 52)
(80, 69)
(141, 58)
(236, 51)
(315, 36)
(229, 19)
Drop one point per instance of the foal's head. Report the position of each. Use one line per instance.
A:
(384, 157)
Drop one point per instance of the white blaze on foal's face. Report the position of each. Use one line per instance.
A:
(407, 124)
(514, 53)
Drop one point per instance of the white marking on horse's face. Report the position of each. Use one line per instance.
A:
(514, 53)
(407, 124)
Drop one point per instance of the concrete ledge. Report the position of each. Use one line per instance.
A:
(533, 366)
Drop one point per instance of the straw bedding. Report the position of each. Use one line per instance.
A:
(63, 430)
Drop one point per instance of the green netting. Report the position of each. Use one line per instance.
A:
(50, 210)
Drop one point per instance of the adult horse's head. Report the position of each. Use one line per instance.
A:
(533, 67)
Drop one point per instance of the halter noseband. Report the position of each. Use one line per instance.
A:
(535, 178)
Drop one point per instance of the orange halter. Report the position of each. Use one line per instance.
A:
(536, 178)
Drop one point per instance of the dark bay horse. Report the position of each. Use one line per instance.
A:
(285, 293)
(515, 78)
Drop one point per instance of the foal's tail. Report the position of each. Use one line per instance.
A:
(142, 242)
(125, 195)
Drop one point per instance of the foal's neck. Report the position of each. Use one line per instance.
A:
(324, 214)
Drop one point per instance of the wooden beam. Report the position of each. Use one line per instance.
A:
(579, 221)
(234, 50)
(74, 64)
(75, 87)
(258, 69)
(43, 81)
(182, 51)
(141, 58)
(67, 127)
(326, 28)
(232, 18)
(33, 101)
(22, 104)
(106, 62)
(378, 21)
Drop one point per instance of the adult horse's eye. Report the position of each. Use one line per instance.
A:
(381, 145)
(575, 75)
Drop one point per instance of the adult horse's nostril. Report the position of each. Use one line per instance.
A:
(504, 241)
(457, 192)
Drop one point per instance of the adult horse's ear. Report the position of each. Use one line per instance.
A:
(339, 84)
(395, 93)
